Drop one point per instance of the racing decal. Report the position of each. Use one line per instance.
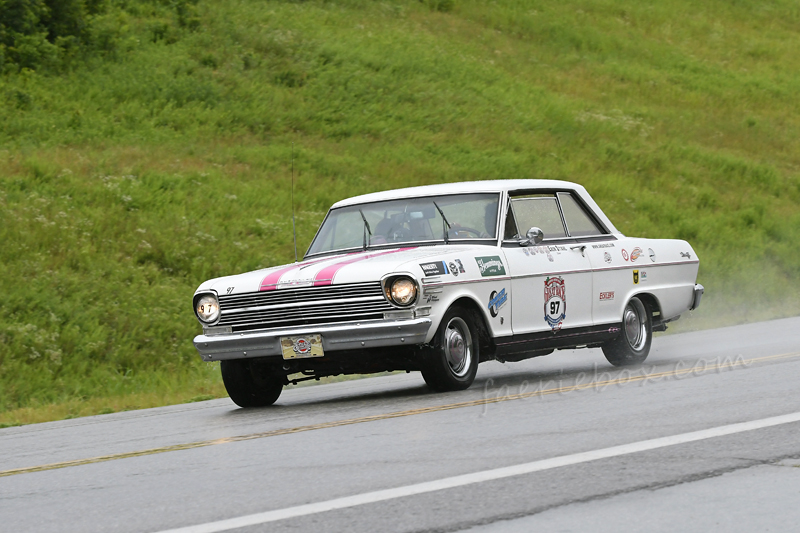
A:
(606, 257)
(325, 276)
(436, 268)
(607, 296)
(604, 245)
(460, 266)
(270, 282)
(555, 302)
(624, 254)
(496, 301)
(635, 277)
(687, 255)
(453, 268)
(491, 266)
(642, 276)
(652, 255)
(636, 254)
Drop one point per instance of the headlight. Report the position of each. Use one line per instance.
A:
(207, 308)
(403, 291)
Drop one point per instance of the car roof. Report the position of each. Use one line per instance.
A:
(460, 188)
(465, 187)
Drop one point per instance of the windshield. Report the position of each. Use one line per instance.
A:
(411, 220)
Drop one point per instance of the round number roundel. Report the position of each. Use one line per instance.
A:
(555, 302)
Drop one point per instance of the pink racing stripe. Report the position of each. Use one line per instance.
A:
(325, 276)
(270, 282)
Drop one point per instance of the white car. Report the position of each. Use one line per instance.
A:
(440, 278)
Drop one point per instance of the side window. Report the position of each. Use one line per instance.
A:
(541, 212)
(510, 231)
(579, 223)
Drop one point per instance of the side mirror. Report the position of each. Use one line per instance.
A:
(533, 237)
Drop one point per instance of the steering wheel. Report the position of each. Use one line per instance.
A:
(454, 231)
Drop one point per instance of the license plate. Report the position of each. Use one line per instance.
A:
(302, 347)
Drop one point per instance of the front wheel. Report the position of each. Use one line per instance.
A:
(250, 383)
(632, 345)
(452, 362)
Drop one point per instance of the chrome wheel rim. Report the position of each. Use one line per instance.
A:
(457, 345)
(635, 327)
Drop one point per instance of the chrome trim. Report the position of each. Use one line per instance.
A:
(303, 306)
(345, 336)
(698, 295)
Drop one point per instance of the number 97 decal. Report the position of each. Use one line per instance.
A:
(555, 302)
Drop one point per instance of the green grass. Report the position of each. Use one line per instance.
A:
(128, 179)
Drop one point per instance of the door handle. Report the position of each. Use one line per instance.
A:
(581, 247)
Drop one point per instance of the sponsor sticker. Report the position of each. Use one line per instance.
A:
(490, 266)
(460, 266)
(652, 255)
(607, 296)
(624, 254)
(635, 277)
(636, 253)
(642, 276)
(436, 268)
(453, 268)
(687, 255)
(604, 245)
(606, 257)
(555, 302)
(496, 301)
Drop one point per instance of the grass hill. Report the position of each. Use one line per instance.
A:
(155, 153)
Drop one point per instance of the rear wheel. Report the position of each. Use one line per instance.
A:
(251, 383)
(452, 362)
(632, 346)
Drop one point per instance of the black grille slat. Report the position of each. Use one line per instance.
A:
(269, 318)
(303, 306)
(272, 314)
(282, 296)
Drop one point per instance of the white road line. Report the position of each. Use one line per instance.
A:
(479, 477)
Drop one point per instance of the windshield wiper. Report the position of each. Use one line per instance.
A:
(367, 228)
(444, 222)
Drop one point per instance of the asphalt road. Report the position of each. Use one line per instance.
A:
(704, 436)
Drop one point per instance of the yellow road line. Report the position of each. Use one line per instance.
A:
(399, 414)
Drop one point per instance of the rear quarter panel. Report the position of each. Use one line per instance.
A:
(664, 268)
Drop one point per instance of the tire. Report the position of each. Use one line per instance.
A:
(250, 384)
(452, 362)
(632, 346)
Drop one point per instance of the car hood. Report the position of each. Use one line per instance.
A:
(371, 265)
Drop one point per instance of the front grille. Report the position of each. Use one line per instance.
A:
(303, 306)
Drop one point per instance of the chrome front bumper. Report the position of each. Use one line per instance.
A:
(348, 336)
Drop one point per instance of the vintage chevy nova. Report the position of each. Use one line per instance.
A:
(440, 278)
